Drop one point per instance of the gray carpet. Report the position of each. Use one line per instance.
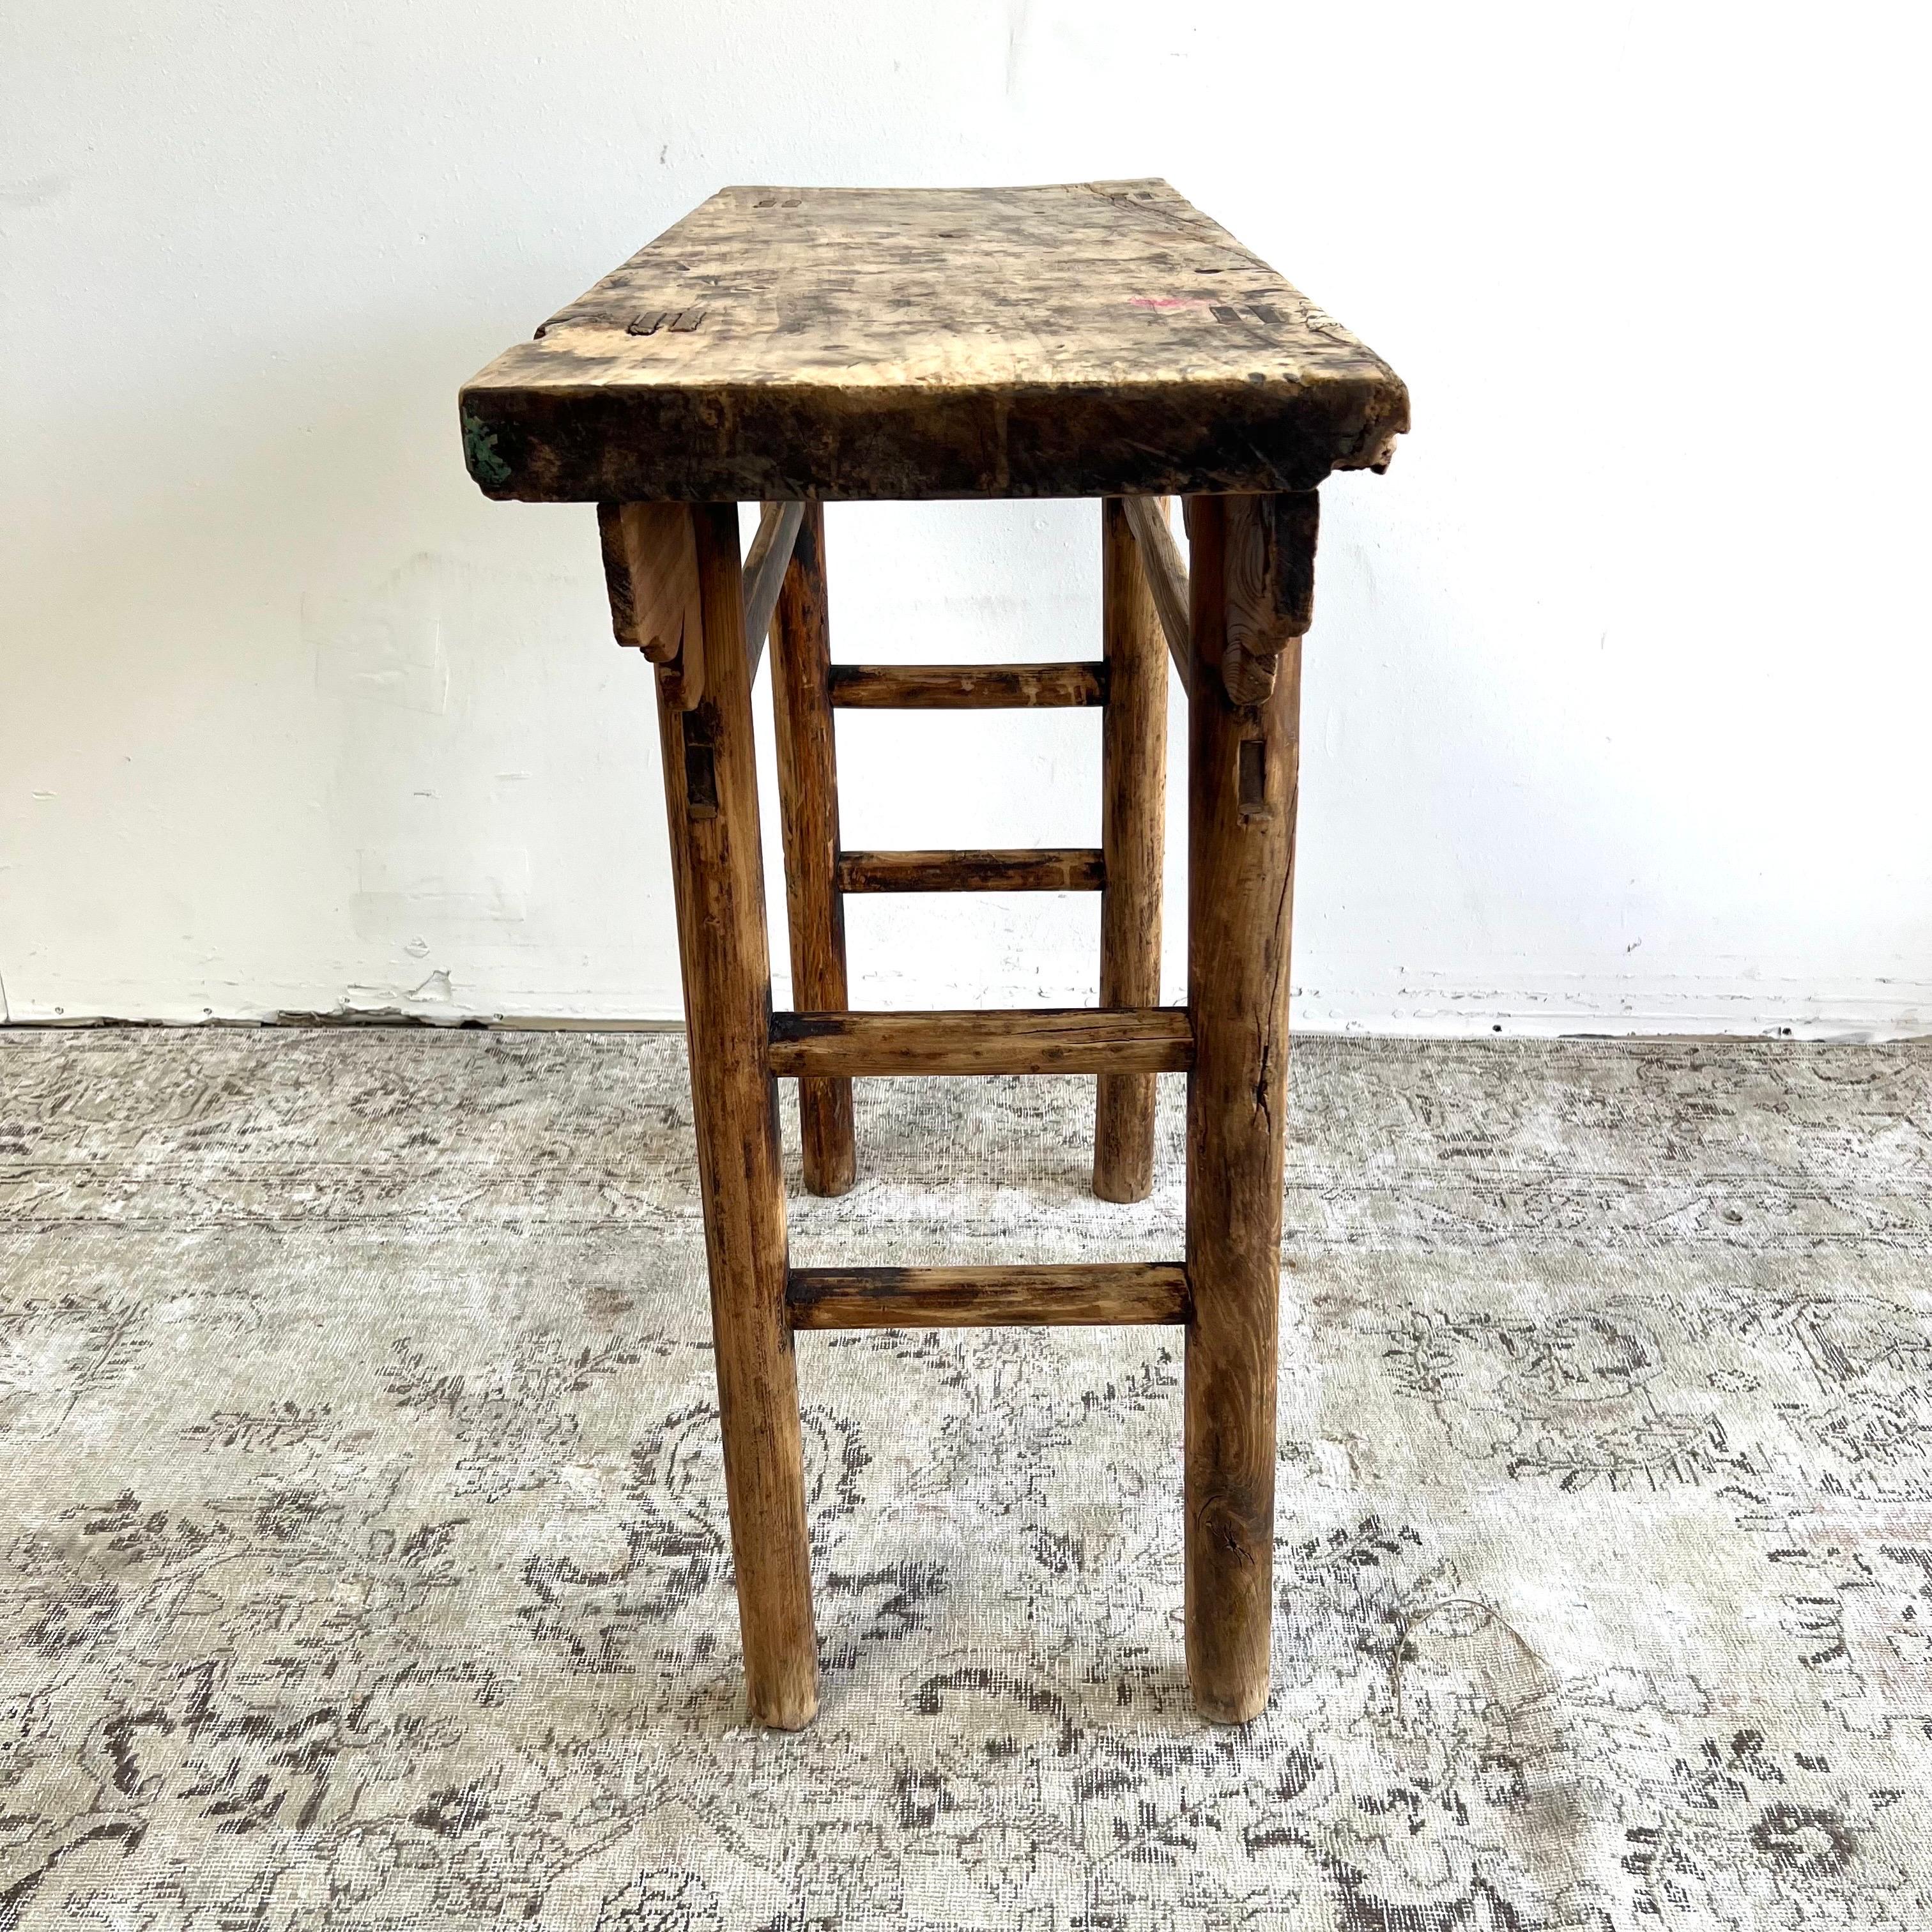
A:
(366, 1561)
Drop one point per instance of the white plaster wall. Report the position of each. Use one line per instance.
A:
(1617, 706)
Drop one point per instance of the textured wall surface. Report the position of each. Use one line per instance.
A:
(362, 1542)
(1616, 702)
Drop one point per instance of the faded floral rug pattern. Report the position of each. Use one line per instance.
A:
(365, 1552)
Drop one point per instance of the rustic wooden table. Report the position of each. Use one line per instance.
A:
(798, 346)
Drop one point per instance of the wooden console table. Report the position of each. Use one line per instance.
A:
(799, 346)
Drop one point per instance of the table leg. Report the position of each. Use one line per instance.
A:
(1243, 757)
(1133, 803)
(712, 799)
(809, 808)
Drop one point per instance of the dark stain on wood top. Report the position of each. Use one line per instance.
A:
(1097, 338)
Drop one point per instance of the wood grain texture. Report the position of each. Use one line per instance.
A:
(765, 566)
(1133, 794)
(711, 798)
(650, 574)
(808, 808)
(1087, 1294)
(1243, 765)
(1085, 339)
(1081, 1039)
(1042, 869)
(1020, 687)
(1270, 544)
(1167, 577)
(1265, 546)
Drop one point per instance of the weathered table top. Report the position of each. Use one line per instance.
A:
(1097, 338)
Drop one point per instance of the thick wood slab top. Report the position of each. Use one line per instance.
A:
(1098, 338)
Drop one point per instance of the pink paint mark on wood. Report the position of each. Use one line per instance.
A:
(1167, 302)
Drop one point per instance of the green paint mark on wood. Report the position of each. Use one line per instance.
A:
(479, 450)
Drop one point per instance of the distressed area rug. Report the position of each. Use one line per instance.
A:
(365, 1544)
